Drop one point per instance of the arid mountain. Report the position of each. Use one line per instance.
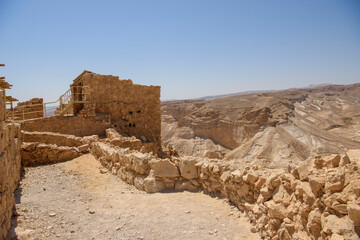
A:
(272, 129)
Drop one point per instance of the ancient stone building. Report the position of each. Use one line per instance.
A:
(107, 102)
(131, 108)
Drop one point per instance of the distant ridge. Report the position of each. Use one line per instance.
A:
(211, 97)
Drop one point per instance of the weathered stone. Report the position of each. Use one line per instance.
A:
(333, 160)
(276, 210)
(280, 195)
(316, 183)
(151, 185)
(354, 213)
(139, 181)
(345, 160)
(185, 185)
(164, 168)
(251, 178)
(314, 223)
(303, 171)
(187, 167)
(237, 176)
(266, 193)
(334, 182)
(332, 224)
(303, 190)
(210, 154)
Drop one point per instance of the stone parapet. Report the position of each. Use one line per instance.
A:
(319, 199)
(35, 153)
(10, 166)
(53, 138)
(74, 125)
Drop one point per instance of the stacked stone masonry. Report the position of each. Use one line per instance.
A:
(47, 147)
(30, 109)
(319, 199)
(73, 125)
(2, 106)
(10, 167)
(131, 109)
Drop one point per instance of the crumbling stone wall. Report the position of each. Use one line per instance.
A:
(53, 138)
(35, 153)
(319, 199)
(131, 109)
(74, 125)
(2, 106)
(30, 109)
(10, 166)
(46, 147)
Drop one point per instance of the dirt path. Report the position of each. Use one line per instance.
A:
(73, 200)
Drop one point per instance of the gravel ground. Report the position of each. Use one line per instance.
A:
(73, 200)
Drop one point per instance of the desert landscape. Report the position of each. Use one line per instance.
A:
(265, 165)
(179, 120)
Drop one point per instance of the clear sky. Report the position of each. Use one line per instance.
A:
(192, 48)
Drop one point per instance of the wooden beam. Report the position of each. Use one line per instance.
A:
(2, 78)
(2, 65)
(11, 99)
(5, 85)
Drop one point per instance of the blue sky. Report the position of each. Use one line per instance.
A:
(191, 48)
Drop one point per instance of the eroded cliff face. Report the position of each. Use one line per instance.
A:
(273, 129)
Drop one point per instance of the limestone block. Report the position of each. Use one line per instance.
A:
(316, 183)
(151, 185)
(251, 178)
(354, 212)
(139, 181)
(332, 224)
(314, 223)
(280, 195)
(275, 210)
(185, 185)
(187, 167)
(164, 168)
(345, 160)
(334, 181)
(140, 162)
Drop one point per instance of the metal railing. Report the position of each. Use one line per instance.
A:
(76, 94)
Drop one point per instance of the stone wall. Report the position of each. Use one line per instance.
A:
(10, 166)
(131, 109)
(35, 153)
(319, 199)
(53, 138)
(74, 125)
(2, 106)
(46, 147)
(30, 109)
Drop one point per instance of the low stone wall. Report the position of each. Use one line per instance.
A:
(39, 153)
(116, 139)
(45, 147)
(319, 199)
(10, 166)
(74, 125)
(53, 138)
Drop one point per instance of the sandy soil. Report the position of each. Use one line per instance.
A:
(73, 200)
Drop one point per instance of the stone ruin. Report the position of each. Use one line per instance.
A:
(119, 124)
(104, 101)
(29, 109)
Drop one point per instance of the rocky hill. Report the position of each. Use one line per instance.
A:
(272, 129)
